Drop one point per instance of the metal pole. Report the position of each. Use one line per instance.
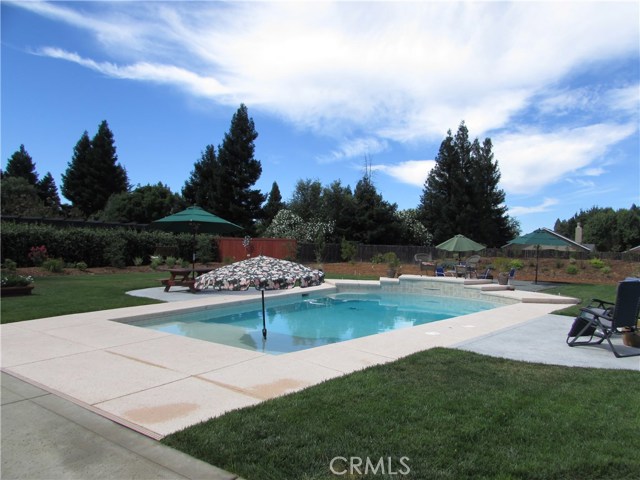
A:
(264, 321)
(537, 260)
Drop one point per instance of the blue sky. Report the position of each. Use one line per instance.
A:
(555, 85)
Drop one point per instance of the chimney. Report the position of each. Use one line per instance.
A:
(579, 234)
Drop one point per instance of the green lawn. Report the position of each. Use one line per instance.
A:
(64, 294)
(584, 292)
(450, 414)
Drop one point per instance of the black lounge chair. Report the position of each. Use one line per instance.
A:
(600, 320)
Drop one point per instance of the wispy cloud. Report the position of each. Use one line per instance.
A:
(411, 172)
(383, 72)
(545, 206)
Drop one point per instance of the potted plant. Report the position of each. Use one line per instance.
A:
(14, 284)
(393, 263)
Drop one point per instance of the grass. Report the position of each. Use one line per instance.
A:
(65, 294)
(453, 414)
(585, 293)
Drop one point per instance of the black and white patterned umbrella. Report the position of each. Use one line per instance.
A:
(263, 273)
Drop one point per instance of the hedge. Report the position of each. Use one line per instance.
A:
(95, 247)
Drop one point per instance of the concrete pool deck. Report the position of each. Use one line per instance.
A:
(157, 383)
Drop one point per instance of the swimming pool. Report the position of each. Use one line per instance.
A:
(294, 325)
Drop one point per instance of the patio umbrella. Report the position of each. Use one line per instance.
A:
(263, 273)
(545, 239)
(460, 243)
(194, 220)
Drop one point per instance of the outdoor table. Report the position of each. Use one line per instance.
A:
(183, 277)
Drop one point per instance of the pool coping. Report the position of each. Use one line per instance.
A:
(157, 383)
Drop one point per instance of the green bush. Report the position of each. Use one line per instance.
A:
(137, 261)
(155, 262)
(170, 261)
(82, 266)
(114, 253)
(572, 270)
(606, 270)
(516, 263)
(54, 265)
(348, 250)
(9, 265)
(597, 263)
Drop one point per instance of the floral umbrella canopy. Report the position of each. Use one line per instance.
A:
(264, 273)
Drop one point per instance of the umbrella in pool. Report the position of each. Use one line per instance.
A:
(460, 243)
(195, 220)
(545, 239)
(263, 273)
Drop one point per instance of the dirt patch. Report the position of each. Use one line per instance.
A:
(549, 270)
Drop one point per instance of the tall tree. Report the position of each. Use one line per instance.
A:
(235, 199)
(461, 193)
(338, 207)
(48, 193)
(94, 174)
(21, 165)
(142, 205)
(201, 187)
(274, 204)
(305, 200)
(375, 221)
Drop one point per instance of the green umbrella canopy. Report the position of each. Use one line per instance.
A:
(545, 239)
(195, 219)
(460, 243)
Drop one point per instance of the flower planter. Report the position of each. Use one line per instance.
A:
(14, 291)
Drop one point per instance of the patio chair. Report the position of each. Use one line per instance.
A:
(600, 320)
(487, 275)
(424, 261)
(440, 272)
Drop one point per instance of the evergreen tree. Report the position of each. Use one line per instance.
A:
(338, 207)
(142, 205)
(21, 165)
(93, 174)
(236, 201)
(274, 204)
(305, 200)
(201, 187)
(375, 221)
(461, 193)
(48, 193)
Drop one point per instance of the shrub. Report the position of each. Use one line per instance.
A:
(348, 250)
(54, 265)
(137, 261)
(114, 253)
(10, 265)
(81, 266)
(606, 270)
(377, 259)
(516, 263)
(572, 270)
(38, 255)
(155, 262)
(12, 279)
(170, 261)
(597, 263)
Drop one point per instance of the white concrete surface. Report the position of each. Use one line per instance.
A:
(159, 383)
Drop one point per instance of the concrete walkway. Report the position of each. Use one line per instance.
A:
(69, 383)
(47, 437)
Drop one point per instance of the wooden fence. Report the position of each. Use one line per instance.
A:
(364, 253)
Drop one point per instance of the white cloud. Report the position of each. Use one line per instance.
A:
(530, 160)
(411, 172)
(359, 147)
(545, 206)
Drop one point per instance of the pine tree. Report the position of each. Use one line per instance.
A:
(461, 193)
(374, 221)
(201, 187)
(21, 165)
(274, 204)
(93, 174)
(48, 192)
(236, 201)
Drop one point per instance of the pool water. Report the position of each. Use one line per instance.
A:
(311, 322)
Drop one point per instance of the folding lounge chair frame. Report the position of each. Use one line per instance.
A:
(601, 319)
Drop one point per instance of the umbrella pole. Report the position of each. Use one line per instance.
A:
(264, 322)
